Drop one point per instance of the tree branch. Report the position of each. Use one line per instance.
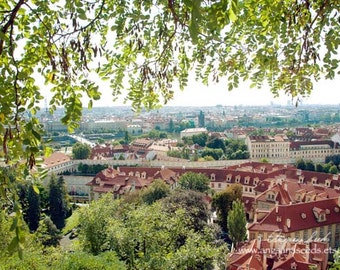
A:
(10, 22)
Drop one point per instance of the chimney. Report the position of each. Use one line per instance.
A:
(285, 186)
(255, 216)
(288, 222)
(258, 242)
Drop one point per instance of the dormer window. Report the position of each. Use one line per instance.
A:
(256, 181)
(246, 180)
(228, 177)
(212, 177)
(130, 173)
(314, 180)
(319, 214)
(322, 217)
(237, 179)
(328, 183)
(137, 174)
(271, 196)
(143, 175)
(301, 178)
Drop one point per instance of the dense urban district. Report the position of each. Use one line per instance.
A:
(184, 188)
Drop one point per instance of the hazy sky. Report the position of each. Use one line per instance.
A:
(196, 94)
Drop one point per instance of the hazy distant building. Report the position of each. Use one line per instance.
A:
(192, 131)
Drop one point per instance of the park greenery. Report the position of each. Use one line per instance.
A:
(331, 165)
(210, 147)
(152, 228)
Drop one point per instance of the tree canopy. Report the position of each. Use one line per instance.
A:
(147, 49)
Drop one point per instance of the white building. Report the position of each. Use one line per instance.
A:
(192, 131)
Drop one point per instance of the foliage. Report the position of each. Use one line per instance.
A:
(59, 208)
(85, 261)
(6, 234)
(236, 149)
(147, 236)
(336, 264)
(91, 169)
(310, 166)
(81, 150)
(201, 120)
(215, 153)
(32, 216)
(216, 143)
(222, 203)
(236, 223)
(157, 190)
(335, 159)
(194, 181)
(174, 153)
(300, 164)
(200, 139)
(195, 205)
(47, 233)
(72, 222)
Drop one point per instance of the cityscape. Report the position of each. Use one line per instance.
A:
(287, 167)
(169, 135)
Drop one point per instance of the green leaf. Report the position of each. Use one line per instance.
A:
(36, 189)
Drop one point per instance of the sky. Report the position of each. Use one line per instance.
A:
(196, 94)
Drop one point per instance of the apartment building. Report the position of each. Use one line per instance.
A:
(278, 148)
(269, 147)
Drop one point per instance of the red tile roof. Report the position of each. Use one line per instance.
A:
(298, 216)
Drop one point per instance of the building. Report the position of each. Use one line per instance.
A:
(192, 131)
(269, 147)
(278, 253)
(317, 151)
(124, 180)
(319, 219)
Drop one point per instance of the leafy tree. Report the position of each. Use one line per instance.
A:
(201, 122)
(236, 223)
(157, 190)
(310, 166)
(195, 205)
(48, 233)
(333, 169)
(81, 150)
(215, 153)
(300, 164)
(200, 139)
(327, 167)
(84, 261)
(59, 208)
(222, 203)
(318, 167)
(264, 160)
(32, 215)
(194, 181)
(171, 127)
(216, 143)
(336, 257)
(148, 236)
(335, 159)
